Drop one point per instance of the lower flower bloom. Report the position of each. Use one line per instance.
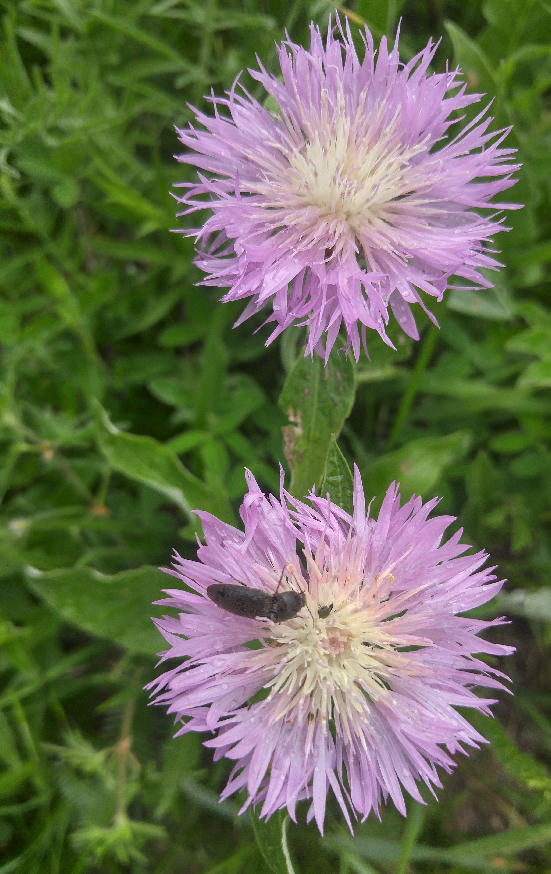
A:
(356, 687)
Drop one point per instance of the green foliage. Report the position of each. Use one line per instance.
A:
(316, 398)
(338, 481)
(157, 465)
(116, 607)
(418, 465)
(127, 400)
(271, 838)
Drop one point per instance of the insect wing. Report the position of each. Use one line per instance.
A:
(240, 600)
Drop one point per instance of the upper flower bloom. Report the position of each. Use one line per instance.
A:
(351, 196)
(356, 687)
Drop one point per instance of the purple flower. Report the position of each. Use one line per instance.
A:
(355, 691)
(352, 196)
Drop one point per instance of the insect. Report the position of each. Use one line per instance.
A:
(324, 612)
(247, 602)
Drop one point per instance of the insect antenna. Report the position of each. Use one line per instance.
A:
(293, 573)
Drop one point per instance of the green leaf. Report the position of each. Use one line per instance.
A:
(417, 466)
(316, 400)
(135, 368)
(413, 827)
(15, 78)
(532, 341)
(533, 605)
(66, 193)
(519, 765)
(142, 36)
(511, 441)
(172, 390)
(12, 780)
(146, 460)
(537, 253)
(141, 252)
(536, 375)
(504, 843)
(188, 440)
(182, 335)
(471, 58)
(379, 15)
(338, 479)
(58, 288)
(134, 204)
(240, 396)
(271, 838)
(181, 757)
(469, 854)
(156, 308)
(478, 395)
(117, 607)
(8, 747)
(491, 303)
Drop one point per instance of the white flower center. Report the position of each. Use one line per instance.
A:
(346, 176)
(347, 180)
(343, 660)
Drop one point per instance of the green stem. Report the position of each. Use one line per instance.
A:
(285, 847)
(412, 830)
(123, 750)
(410, 392)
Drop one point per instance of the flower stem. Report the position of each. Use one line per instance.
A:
(413, 385)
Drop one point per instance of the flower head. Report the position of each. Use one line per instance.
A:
(355, 690)
(352, 196)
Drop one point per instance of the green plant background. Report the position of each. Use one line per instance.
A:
(126, 400)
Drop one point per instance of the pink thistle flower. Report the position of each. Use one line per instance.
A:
(351, 197)
(357, 689)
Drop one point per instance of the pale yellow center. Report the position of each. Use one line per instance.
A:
(345, 660)
(345, 178)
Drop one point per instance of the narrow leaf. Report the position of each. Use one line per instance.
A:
(477, 854)
(146, 460)
(117, 607)
(271, 838)
(521, 766)
(417, 466)
(471, 57)
(533, 605)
